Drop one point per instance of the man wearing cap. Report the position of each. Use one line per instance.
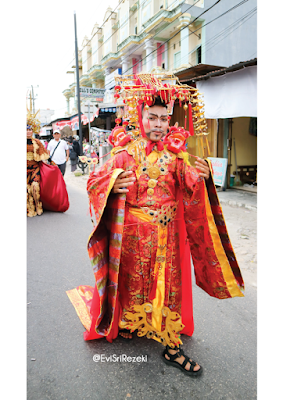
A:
(59, 151)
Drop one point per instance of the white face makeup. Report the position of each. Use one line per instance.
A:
(155, 122)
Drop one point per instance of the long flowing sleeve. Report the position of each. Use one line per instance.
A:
(216, 268)
(97, 306)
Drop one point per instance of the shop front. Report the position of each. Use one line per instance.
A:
(230, 104)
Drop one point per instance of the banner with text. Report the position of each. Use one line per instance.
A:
(219, 166)
(94, 94)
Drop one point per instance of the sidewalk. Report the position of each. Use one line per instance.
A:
(237, 198)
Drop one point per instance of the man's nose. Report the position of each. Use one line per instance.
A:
(158, 122)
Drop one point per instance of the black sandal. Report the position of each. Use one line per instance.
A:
(125, 331)
(173, 363)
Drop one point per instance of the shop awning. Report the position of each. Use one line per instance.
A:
(231, 95)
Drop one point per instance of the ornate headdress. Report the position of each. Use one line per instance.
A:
(33, 122)
(141, 90)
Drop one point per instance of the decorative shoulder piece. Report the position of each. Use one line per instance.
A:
(119, 137)
(176, 139)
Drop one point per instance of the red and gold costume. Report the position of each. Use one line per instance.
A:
(141, 243)
(35, 153)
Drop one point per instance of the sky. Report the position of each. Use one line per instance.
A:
(50, 36)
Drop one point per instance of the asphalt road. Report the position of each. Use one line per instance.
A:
(60, 363)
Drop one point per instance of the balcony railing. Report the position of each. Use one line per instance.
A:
(110, 56)
(84, 77)
(162, 14)
(95, 68)
(131, 38)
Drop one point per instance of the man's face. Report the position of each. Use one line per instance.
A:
(155, 122)
(57, 135)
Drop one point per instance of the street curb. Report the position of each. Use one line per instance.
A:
(234, 203)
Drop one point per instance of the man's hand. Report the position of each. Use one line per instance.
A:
(124, 180)
(203, 168)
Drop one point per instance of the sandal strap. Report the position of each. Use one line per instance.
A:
(191, 362)
(172, 356)
(180, 351)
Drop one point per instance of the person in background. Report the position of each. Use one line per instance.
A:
(35, 153)
(74, 152)
(76, 144)
(59, 151)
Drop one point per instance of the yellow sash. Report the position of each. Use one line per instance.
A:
(159, 268)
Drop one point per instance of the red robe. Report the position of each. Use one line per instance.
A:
(139, 247)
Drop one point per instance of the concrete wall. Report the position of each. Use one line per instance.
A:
(236, 41)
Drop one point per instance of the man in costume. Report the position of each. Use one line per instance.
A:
(151, 209)
(35, 153)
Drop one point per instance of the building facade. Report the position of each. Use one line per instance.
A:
(140, 36)
(184, 37)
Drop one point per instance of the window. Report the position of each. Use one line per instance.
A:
(123, 33)
(199, 55)
(146, 11)
(177, 60)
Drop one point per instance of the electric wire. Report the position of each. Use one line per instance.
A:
(208, 45)
(137, 48)
(104, 22)
(203, 25)
(231, 9)
(230, 29)
(210, 40)
(141, 5)
(116, 29)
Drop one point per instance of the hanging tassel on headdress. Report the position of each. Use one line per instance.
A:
(191, 124)
(186, 114)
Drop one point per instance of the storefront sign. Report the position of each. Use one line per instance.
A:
(219, 166)
(61, 124)
(91, 93)
(84, 121)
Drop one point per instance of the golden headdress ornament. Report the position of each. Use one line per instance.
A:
(141, 90)
(32, 121)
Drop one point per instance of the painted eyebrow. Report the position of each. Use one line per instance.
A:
(163, 115)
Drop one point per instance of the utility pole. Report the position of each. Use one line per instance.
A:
(78, 86)
(32, 98)
(33, 109)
